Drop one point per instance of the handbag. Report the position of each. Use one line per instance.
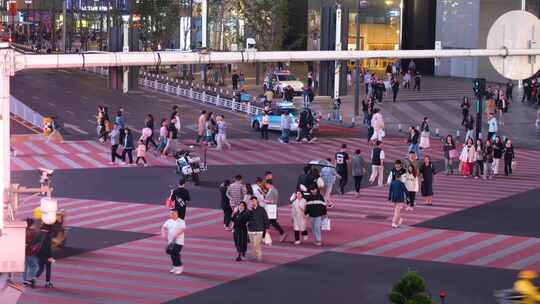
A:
(169, 203)
(271, 211)
(453, 154)
(514, 164)
(326, 224)
(267, 239)
(169, 248)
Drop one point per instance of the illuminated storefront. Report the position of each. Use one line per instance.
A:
(380, 27)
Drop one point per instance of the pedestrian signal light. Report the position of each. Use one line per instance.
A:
(479, 86)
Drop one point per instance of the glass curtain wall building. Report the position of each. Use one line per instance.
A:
(380, 27)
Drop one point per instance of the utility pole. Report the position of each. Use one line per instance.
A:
(338, 48)
(125, 49)
(357, 65)
(64, 27)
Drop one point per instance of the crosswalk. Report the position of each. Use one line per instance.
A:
(33, 154)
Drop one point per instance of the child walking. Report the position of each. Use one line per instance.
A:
(141, 153)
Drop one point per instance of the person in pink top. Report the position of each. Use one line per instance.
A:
(141, 153)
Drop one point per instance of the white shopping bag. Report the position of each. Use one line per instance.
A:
(325, 225)
(271, 210)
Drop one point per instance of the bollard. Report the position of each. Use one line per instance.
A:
(178, 90)
(457, 133)
(418, 127)
(353, 121)
(220, 91)
(400, 127)
(437, 132)
(442, 295)
(328, 116)
(217, 99)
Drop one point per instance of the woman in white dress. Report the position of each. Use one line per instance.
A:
(424, 134)
(377, 122)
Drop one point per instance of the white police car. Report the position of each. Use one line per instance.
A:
(274, 116)
(282, 79)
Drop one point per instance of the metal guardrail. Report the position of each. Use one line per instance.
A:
(205, 95)
(18, 108)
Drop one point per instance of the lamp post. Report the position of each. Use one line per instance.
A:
(361, 4)
(337, 69)
(125, 49)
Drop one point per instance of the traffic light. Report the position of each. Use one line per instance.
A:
(479, 86)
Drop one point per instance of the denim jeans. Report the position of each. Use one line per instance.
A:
(285, 135)
(316, 227)
(30, 267)
(414, 148)
(175, 256)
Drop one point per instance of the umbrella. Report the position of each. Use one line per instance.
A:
(321, 163)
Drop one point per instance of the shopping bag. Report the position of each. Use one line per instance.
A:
(267, 239)
(325, 225)
(271, 211)
(514, 165)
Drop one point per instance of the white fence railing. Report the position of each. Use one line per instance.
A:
(199, 93)
(23, 111)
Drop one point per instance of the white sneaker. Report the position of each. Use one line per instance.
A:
(179, 270)
(305, 237)
(172, 270)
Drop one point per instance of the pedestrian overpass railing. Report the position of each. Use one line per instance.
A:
(195, 92)
(21, 110)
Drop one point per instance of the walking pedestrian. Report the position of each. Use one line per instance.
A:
(412, 66)
(411, 183)
(427, 173)
(257, 224)
(465, 108)
(358, 168)
(492, 127)
(225, 204)
(329, 176)
(509, 157)
(509, 90)
(115, 142)
(285, 127)
(412, 140)
(234, 80)
(174, 230)
(397, 170)
(407, 80)
(417, 80)
(149, 123)
(265, 122)
(479, 158)
(128, 147)
(141, 153)
(377, 122)
(337, 109)
(395, 88)
(425, 142)
(236, 191)
(469, 127)
(367, 82)
(488, 160)
(449, 153)
(42, 249)
(498, 148)
(163, 132)
(240, 235)
(30, 260)
(342, 167)
(221, 136)
(272, 198)
(315, 210)
(397, 194)
(119, 120)
(298, 208)
(502, 108)
(467, 158)
(257, 189)
(201, 122)
(181, 197)
(377, 163)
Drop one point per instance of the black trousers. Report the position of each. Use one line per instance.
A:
(412, 197)
(175, 255)
(297, 234)
(370, 132)
(395, 92)
(277, 226)
(227, 212)
(240, 236)
(44, 264)
(465, 114)
(343, 181)
(139, 158)
(507, 166)
(150, 140)
(264, 131)
(416, 86)
(357, 182)
(129, 153)
(114, 153)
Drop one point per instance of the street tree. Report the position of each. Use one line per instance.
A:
(266, 20)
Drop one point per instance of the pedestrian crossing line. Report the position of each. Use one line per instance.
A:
(519, 246)
(454, 255)
(448, 239)
(494, 247)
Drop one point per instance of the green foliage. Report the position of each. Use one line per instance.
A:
(410, 289)
(267, 21)
(159, 19)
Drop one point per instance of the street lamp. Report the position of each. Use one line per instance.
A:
(125, 49)
(362, 4)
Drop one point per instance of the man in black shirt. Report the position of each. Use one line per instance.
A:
(342, 159)
(181, 198)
